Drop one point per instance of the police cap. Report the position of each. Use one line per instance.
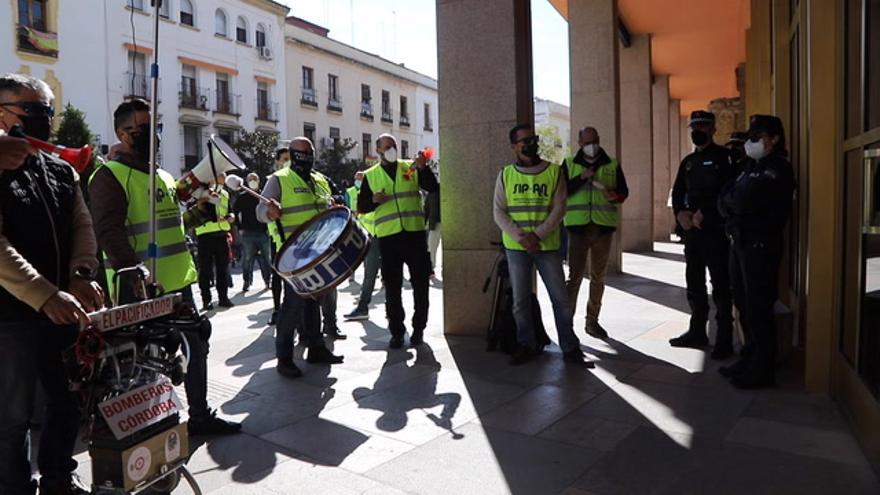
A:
(738, 138)
(701, 117)
(760, 124)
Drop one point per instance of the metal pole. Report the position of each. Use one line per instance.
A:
(153, 249)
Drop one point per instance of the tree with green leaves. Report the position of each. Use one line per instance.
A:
(335, 163)
(550, 144)
(73, 132)
(257, 149)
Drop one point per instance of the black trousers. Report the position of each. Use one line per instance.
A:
(754, 270)
(708, 249)
(213, 258)
(410, 248)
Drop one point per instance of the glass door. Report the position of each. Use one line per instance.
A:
(868, 364)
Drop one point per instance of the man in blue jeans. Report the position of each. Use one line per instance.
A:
(529, 205)
(254, 236)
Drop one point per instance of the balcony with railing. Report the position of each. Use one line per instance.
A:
(334, 104)
(309, 97)
(387, 116)
(139, 85)
(228, 104)
(267, 110)
(366, 110)
(193, 97)
(404, 120)
(31, 40)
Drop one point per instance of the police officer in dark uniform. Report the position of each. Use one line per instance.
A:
(700, 178)
(756, 207)
(736, 144)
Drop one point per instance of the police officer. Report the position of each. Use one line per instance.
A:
(119, 193)
(736, 146)
(297, 194)
(756, 207)
(700, 178)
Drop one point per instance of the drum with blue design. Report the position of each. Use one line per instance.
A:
(323, 252)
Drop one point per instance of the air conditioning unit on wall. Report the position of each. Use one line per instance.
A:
(265, 52)
(327, 142)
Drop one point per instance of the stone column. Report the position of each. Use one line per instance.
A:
(484, 66)
(595, 78)
(636, 150)
(674, 139)
(662, 224)
(687, 146)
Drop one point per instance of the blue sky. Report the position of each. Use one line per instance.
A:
(405, 31)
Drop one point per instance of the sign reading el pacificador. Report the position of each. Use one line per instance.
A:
(140, 408)
(129, 314)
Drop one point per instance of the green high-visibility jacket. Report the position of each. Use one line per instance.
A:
(366, 219)
(588, 205)
(299, 200)
(175, 268)
(221, 225)
(403, 212)
(529, 202)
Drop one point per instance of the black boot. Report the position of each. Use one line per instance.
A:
(334, 333)
(417, 337)
(287, 368)
(694, 339)
(319, 354)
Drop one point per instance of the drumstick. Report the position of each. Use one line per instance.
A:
(235, 183)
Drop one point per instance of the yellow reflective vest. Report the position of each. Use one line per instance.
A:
(529, 202)
(221, 225)
(300, 201)
(403, 212)
(588, 204)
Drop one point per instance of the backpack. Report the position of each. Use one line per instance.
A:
(502, 325)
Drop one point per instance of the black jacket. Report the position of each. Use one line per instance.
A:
(37, 201)
(701, 177)
(758, 203)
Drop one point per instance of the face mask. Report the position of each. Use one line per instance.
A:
(358, 183)
(390, 155)
(756, 149)
(302, 161)
(37, 126)
(141, 138)
(253, 184)
(699, 138)
(590, 150)
(532, 151)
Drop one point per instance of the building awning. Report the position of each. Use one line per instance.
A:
(698, 44)
(194, 120)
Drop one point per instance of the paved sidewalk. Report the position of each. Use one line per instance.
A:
(449, 418)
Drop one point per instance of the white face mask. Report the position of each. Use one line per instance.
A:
(390, 155)
(358, 183)
(591, 150)
(756, 149)
(253, 184)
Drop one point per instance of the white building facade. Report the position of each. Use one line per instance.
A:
(336, 91)
(556, 115)
(221, 64)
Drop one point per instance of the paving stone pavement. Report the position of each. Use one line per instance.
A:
(449, 418)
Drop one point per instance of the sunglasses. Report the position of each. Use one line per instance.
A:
(32, 108)
(528, 140)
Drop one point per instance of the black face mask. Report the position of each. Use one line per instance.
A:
(141, 139)
(302, 162)
(699, 138)
(532, 151)
(37, 126)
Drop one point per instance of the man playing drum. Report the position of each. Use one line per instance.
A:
(297, 193)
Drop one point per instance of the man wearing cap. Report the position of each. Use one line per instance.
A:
(700, 178)
(596, 186)
(736, 146)
(391, 190)
(756, 207)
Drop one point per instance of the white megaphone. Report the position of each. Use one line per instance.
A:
(220, 159)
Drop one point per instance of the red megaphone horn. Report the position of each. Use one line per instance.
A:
(78, 158)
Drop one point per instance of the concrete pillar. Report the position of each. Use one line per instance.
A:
(674, 139)
(476, 113)
(636, 150)
(759, 70)
(595, 78)
(662, 224)
(687, 146)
